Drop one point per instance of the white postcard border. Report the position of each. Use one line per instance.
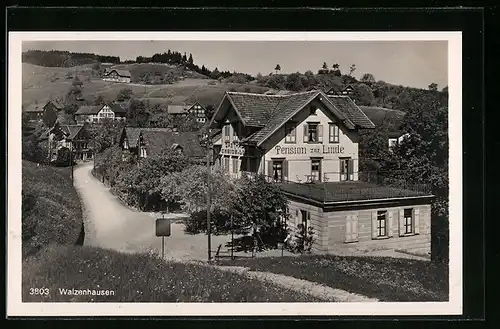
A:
(15, 306)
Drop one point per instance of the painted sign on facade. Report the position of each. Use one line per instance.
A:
(320, 149)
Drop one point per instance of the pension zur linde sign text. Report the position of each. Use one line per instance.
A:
(323, 149)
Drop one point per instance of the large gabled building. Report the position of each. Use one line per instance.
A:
(307, 143)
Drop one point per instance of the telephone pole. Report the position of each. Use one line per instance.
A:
(209, 201)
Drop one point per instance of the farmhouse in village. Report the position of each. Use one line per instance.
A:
(337, 91)
(144, 142)
(98, 113)
(307, 143)
(396, 137)
(76, 138)
(115, 75)
(198, 110)
(35, 112)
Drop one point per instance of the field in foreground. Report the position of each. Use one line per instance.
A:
(384, 278)
(140, 278)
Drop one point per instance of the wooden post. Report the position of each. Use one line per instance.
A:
(232, 238)
(209, 201)
(162, 247)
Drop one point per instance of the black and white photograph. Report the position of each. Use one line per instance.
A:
(235, 173)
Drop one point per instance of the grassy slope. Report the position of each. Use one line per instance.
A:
(39, 87)
(53, 206)
(137, 69)
(378, 114)
(388, 279)
(141, 278)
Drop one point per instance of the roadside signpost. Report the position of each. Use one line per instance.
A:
(163, 230)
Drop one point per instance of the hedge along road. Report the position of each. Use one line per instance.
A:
(112, 225)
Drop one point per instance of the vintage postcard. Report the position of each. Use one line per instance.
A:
(241, 174)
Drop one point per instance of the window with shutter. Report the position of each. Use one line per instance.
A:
(401, 222)
(350, 164)
(348, 230)
(306, 133)
(320, 133)
(374, 224)
(270, 168)
(417, 221)
(390, 224)
(354, 227)
(285, 170)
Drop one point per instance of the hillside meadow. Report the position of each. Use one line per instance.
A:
(43, 83)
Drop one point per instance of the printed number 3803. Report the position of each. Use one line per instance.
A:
(39, 291)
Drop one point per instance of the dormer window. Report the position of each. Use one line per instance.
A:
(143, 153)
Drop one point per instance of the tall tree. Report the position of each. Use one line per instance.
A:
(433, 86)
(352, 68)
(190, 60)
(277, 68)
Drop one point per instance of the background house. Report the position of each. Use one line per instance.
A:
(197, 110)
(396, 137)
(76, 138)
(115, 75)
(144, 142)
(35, 112)
(98, 113)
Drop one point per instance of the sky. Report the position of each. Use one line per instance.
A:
(407, 63)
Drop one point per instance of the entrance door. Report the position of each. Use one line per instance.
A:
(277, 171)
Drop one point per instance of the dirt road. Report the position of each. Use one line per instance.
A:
(110, 224)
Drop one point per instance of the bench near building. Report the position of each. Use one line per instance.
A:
(308, 144)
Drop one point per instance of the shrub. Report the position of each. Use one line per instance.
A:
(51, 210)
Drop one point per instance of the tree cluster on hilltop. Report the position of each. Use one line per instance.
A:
(367, 90)
(58, 58)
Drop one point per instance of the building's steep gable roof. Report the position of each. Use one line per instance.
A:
(177, 109)
(346, 105)
(122, 73)
(71, 131)
(88, 110)
(270, 112)
(33, 108)
(132, 134)
(159, 140)
(57, 104)
(117, 108)
(286, 108)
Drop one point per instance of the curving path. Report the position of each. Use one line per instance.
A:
(110, 224)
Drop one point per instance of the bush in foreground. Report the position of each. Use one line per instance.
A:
(140, 278)
(385, 278)
(51, 210)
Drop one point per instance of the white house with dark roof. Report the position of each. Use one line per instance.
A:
(115, 75)
(98, 113)
(307, 143)
(198, 110)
